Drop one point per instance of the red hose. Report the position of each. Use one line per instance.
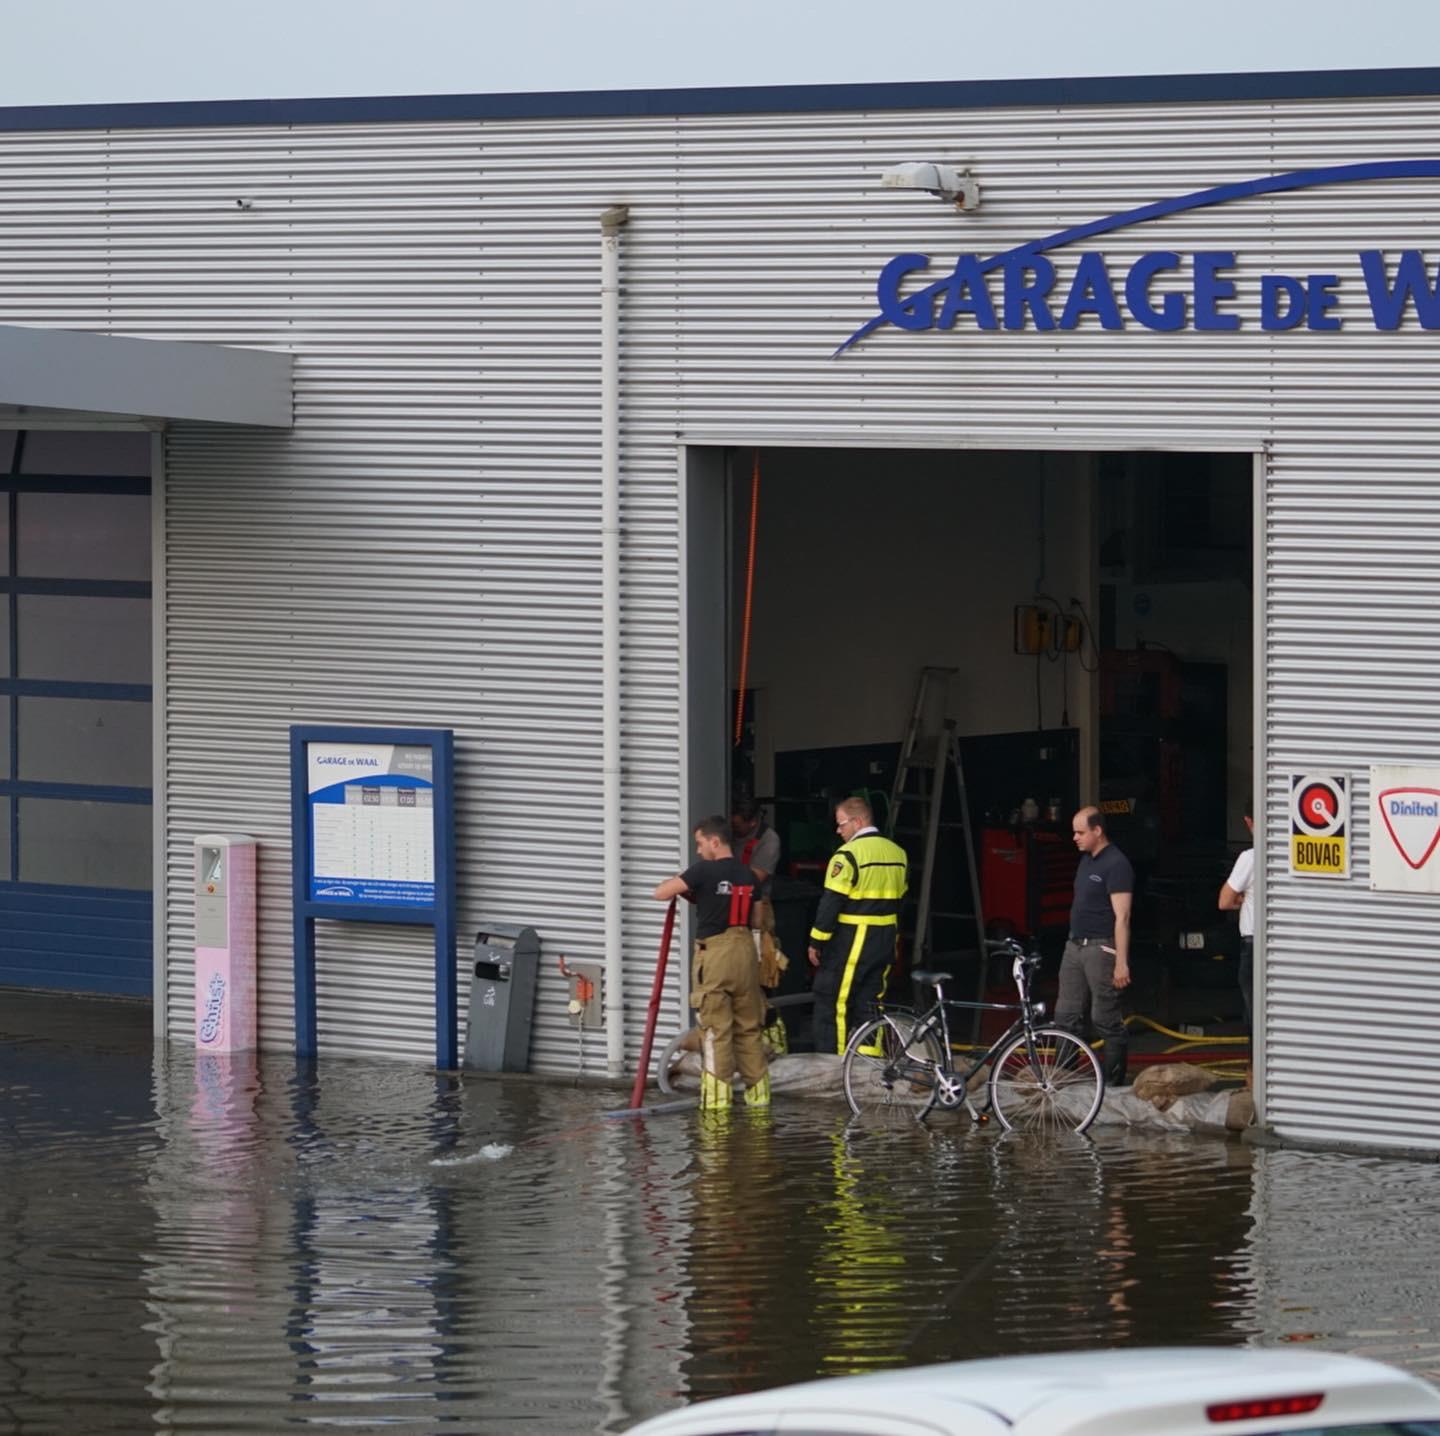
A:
(749, 598)
(652, 1015)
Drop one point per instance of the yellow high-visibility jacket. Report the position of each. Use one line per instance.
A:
(865, 882)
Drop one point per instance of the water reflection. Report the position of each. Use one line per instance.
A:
(222, 1243)
(1342, 1254)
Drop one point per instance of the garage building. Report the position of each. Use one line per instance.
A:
(1142, 445)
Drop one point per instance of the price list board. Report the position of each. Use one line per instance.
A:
(372, 823)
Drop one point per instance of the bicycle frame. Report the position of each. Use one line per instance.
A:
(954, 1085)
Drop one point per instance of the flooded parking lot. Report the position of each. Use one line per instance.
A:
(211, 1245)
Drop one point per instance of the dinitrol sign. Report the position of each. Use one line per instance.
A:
(1163, 290)
(1405, 829)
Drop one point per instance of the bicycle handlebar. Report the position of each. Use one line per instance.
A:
(996, 945)
(1010, 947)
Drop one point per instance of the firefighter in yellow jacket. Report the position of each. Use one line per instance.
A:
(852, 945)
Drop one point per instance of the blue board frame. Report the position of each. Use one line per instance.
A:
(439, 913)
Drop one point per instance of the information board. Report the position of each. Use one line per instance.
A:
(372, 834)
(372, 822)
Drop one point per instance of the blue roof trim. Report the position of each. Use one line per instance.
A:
(734, 99)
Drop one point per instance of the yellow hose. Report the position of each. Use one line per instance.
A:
(1184, 1038)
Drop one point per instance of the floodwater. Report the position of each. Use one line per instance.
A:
(209, 1245)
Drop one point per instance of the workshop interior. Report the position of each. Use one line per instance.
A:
(1051, 629)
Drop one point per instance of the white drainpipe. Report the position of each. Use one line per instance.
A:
(612, 221)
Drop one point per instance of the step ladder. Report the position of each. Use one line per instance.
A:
(911, 761)
(919, 788)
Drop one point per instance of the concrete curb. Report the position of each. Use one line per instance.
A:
(1268, 1139)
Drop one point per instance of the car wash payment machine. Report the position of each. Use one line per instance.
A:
(224, 943)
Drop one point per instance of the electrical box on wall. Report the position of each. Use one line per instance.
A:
(1043, 629)
(584, 1005)
(1033, 628)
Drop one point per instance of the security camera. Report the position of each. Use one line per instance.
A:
(958, 186)
(244, 203)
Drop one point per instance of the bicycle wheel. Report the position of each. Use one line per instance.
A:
(890, 1079)
(1056, 1086)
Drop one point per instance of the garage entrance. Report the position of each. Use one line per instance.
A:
(1097, 611)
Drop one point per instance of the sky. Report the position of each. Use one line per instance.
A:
(62, 52)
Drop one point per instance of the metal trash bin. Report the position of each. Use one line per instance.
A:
(502, 998)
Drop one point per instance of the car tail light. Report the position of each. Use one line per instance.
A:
(1259, 1410)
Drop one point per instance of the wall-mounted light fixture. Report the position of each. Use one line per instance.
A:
(959, 187)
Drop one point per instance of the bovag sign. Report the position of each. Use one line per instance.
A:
(1163, 290)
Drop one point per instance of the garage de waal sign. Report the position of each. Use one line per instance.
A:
(1162, 290)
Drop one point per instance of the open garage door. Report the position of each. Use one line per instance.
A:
(1096, 611)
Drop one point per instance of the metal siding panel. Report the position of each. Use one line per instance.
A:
(1351, 975)
(423, 548)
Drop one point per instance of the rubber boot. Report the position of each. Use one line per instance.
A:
(1115, 1059)
(715, 1095)
(775, 1038)
(758, 1094)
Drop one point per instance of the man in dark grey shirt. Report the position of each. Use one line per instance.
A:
(1096, 965)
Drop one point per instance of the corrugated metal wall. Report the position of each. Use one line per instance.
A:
(424, 547)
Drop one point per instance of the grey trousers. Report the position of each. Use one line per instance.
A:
(1087, 980)
(1247, 980)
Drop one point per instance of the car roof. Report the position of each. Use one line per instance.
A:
(1155, 1388)
(1015, 1385)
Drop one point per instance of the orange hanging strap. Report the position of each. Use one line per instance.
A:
(749, 599)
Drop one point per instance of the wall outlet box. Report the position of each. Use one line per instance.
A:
(1033, 628)
(584, 1008)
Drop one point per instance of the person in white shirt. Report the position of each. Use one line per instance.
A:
(1237, 894)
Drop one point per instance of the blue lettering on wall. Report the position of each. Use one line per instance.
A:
(1028, 283)
(1090, 293)
(1282, 302)
(1396, 286)
(1320, 299)
(917, 312)
(1171, 314)
(1412, 285)
(968, 294)
(1210, 289)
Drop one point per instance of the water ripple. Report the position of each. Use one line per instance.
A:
(230, 1245)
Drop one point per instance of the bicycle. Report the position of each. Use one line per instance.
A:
(898, 1067)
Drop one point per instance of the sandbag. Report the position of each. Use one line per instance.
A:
(1162, 1083)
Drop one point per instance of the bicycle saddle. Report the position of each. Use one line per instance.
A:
(930, 979)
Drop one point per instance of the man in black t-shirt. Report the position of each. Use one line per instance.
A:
(725, 972)
(1096, 965)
